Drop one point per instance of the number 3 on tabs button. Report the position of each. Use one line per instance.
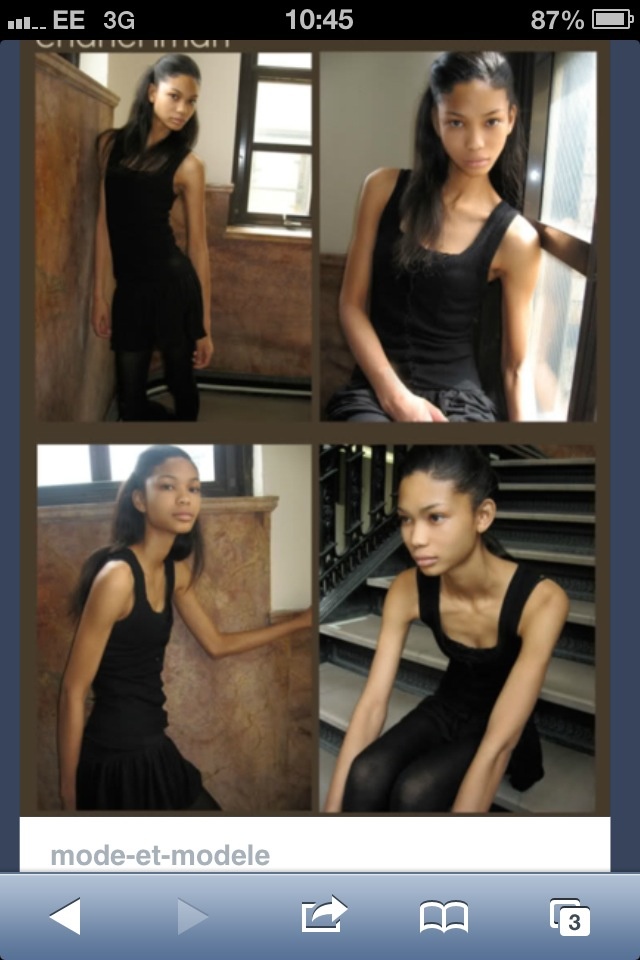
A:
(570, 918)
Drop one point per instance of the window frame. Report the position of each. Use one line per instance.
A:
(251, 74)
(233, 471)
(575, 252)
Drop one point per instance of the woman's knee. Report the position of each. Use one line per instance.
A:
(368, 783)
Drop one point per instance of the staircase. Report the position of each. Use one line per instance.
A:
(546, 517)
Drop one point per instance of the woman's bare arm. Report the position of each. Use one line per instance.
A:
(110, 599)
(103, 266)
(213, 641)
(394, 397)
(189, 180)
(367, 721)
(519, 265)
(542, 620)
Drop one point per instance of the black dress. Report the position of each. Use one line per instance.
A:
(127, 762)
(425, 320)
(158, 298)
(420, 762)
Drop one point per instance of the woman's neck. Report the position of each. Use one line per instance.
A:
(154, 548)
(476, 576)
(157, 133)
(461, 190)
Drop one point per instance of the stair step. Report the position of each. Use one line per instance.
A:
(580, 611)
(339, 693)
(567, 683)
(568, 786)
(546, 555)
(550, 462)
(560, 487)
(525, 516)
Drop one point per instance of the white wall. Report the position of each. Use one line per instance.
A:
(368, 103)
(284, 470)
(96, 65)
(217, 103)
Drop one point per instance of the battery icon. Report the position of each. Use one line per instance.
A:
(611, 19)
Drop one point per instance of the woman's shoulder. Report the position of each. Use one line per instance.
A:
(521, 231)
(402, 600)
(377, 191)
(117, 573)
(113, 588)
(183, 576)
(383, 178)
(192, 163)
(546, 602)
(521, 237)
(380, 183)
(519, 249)
(105, 143)
(547, 592)
(189, 174)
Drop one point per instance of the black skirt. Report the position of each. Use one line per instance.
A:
(355, 401)
(154, 776)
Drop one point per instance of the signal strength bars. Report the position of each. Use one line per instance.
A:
(24, 23)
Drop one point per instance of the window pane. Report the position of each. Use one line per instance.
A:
(569, 195)
(293, 61)
(124, 456)
(557, 312)
(283, 113)
(61, 464)
(280, 184)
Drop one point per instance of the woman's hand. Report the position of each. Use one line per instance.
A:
(407, 407)
(302, 621)
(68, 800)
(203, 352)
(101, 318)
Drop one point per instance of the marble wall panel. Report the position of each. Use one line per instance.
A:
(243, 720)
(73, 368)
(336, 359)
(260, 295)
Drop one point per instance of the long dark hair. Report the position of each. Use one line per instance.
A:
(131, 140)
(421, 205)
(469, 471)
(129, 525)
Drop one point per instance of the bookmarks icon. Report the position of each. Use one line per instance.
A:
(452, 915)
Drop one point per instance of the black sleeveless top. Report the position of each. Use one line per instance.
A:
(474, 677)
(425, 317)
(128, 710)
(158, 298)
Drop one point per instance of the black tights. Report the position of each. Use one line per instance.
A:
(412, 767)
(132, 370)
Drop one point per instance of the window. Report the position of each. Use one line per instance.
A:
(82, 473)
(561, 195)
(272, 169)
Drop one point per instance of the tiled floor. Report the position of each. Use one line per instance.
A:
(216, 405)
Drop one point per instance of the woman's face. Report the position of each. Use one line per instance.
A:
(439, 526)
(171, 498)
(174, 101)
(473, 122)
